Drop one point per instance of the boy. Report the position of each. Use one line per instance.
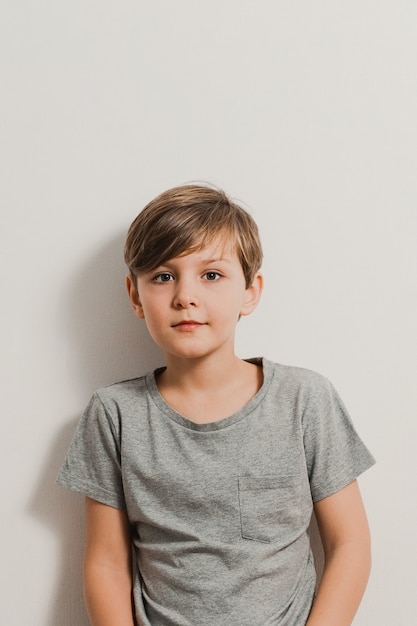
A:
(209, 467)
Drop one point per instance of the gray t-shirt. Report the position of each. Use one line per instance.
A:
(219, 511)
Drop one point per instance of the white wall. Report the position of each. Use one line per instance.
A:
(304, 110)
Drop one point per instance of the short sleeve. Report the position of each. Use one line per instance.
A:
(92, 465)
(335, 453)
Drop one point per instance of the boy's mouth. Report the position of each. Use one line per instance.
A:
(187, 325)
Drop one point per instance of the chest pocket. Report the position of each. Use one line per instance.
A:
(270, 508)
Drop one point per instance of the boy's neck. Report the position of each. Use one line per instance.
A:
(201, 373)
(209, 390)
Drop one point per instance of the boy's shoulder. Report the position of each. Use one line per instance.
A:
(300, 385)
(298, 373)
(298, 376)
(123, 391)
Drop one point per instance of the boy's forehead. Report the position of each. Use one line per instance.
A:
(220, 249)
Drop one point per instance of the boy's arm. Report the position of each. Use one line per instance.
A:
(344, 532)
(107, 566)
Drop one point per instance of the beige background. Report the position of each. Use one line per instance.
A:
(304, 110)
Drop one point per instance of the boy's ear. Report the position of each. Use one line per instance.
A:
(252, 295)
(133, 293)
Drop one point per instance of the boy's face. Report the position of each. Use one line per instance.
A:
(191, 303)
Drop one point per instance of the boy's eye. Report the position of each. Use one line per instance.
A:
(163, 277)
(212, 275)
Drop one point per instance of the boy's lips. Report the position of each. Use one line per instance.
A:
(187, 324)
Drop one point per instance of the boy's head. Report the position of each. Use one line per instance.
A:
(186, 219)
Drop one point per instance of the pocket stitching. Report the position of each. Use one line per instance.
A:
(258, 484)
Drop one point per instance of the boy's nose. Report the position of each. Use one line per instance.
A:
(182, 297)
(183, 301)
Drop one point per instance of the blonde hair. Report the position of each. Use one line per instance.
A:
(186, 219)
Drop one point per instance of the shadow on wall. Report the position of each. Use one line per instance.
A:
(110, 343)
(317, 548)
(106, 343)
(63, 512)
